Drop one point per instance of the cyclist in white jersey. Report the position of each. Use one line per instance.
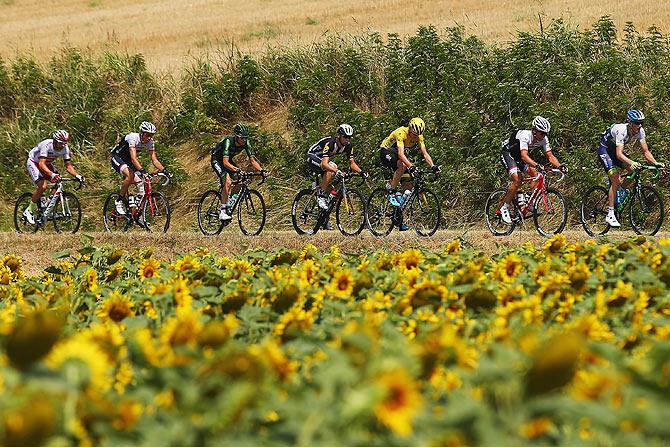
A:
(41, 169)
(126, 163)
(613, 159)
(514, 156)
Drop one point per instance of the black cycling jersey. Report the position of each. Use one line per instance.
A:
(328, 147)
(227, 148)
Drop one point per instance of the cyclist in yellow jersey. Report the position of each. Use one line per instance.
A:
(393, 155)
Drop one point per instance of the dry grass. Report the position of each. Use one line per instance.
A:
(168, 32)
(35, 249)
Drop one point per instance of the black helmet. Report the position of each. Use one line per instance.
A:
(241, 130)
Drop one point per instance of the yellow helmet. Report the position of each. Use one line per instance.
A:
(417, 125)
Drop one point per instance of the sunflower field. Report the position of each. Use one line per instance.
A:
(564, 344)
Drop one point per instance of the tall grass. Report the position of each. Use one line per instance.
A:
(470, 93)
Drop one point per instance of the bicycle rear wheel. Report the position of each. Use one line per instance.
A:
(156, 212)
(594, 211)
(67, 214)
(646, 211)
(305, 212)
(379, 213)
(350, 212)
(494, 220)
(251, 213)
(550, 212)
(424, 212)
(113, 220)
(20, 222)
(208, 213)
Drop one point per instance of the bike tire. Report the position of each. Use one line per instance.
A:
(593, 211)
(251, 205)
(548, 218)
(305, 212)
(112, 221)
(643, 206)
(156, 212)
(379, 213)
(354, 208)
(208, 213)
(424, 204)
(67, 213)
(21, 224)
(494, 220)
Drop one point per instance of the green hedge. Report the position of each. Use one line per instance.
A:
(470, 93)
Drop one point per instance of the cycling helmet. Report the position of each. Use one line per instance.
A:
(417, 125)
(345, 130)
(635, 116)
(541, 124)
(147, 127)
(61, 136)
(241, 130)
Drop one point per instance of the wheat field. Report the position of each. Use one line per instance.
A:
(171, 32)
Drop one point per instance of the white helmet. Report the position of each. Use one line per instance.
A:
(345, 130)
(541, 124)
(147, 127)
(60, 136)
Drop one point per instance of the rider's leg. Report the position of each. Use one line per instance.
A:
(400, 170)
(514, 185)
(327, 178)
(40, 187)
(128, 177)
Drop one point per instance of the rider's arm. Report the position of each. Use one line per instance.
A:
(552, 158)
(646, 152)
(402, 157)
(526, 158)
(45, 168)
(133, 158)
(426, 155)
(155, 161)
(229, 165)
(255, 164)
(325, 164)
(621, 156)
(353, 166)
(69, 167)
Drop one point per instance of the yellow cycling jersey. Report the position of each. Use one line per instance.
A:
(403, 135)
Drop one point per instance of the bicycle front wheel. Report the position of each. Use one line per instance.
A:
(305, 212)
(594, 211)
(646, 211)
(494, 220)
(379, 213)
(156, 212)
(251, 213)
(111, 218)
(20, 221)
(350, 212)
(424, 212)
(208, 213)
(550, 212)
(67, 213)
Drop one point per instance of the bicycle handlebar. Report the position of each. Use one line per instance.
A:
(149, 177)
(68, 179)
(244, 176)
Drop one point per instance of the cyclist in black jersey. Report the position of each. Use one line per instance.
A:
(320, 155)
(126, 163)
(225, 167)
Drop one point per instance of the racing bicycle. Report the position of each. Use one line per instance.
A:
(61, 207)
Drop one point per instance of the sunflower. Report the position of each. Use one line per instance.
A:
(508, 268)
(116, 307)
(241, 267)
(187, 263)
(90, 282)
(453, 247)
(537, 428)
(182, 329)
(14, 264)
(400, 401)
(114, 272)
(555, 243)
(622, 293)
(409, 259)
(81, 348)
(5, 275)
(342, 284)
(148, 268)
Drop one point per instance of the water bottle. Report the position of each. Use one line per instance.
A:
(232, 199)
(621, 194)
(44, 201)
(51, 204)
(405, 196)
(131, 201)
(521, 199)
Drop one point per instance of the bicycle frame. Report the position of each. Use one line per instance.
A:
(540, 188)
(57, 192)
(147, 199)
(243, 181)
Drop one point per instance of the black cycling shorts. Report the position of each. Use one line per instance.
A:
(388, 159)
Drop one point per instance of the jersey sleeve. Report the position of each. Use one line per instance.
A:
(66, 154)
(546, 145)
(225, 148)
(642, 135)
(524, 140)
(326, 149)
(350, 151)
(421, 140)
(619, 135)
(150, 145)
(43, 149)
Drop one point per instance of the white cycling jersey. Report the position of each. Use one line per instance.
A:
(526, 142)
(45, 149)
(618, 134)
